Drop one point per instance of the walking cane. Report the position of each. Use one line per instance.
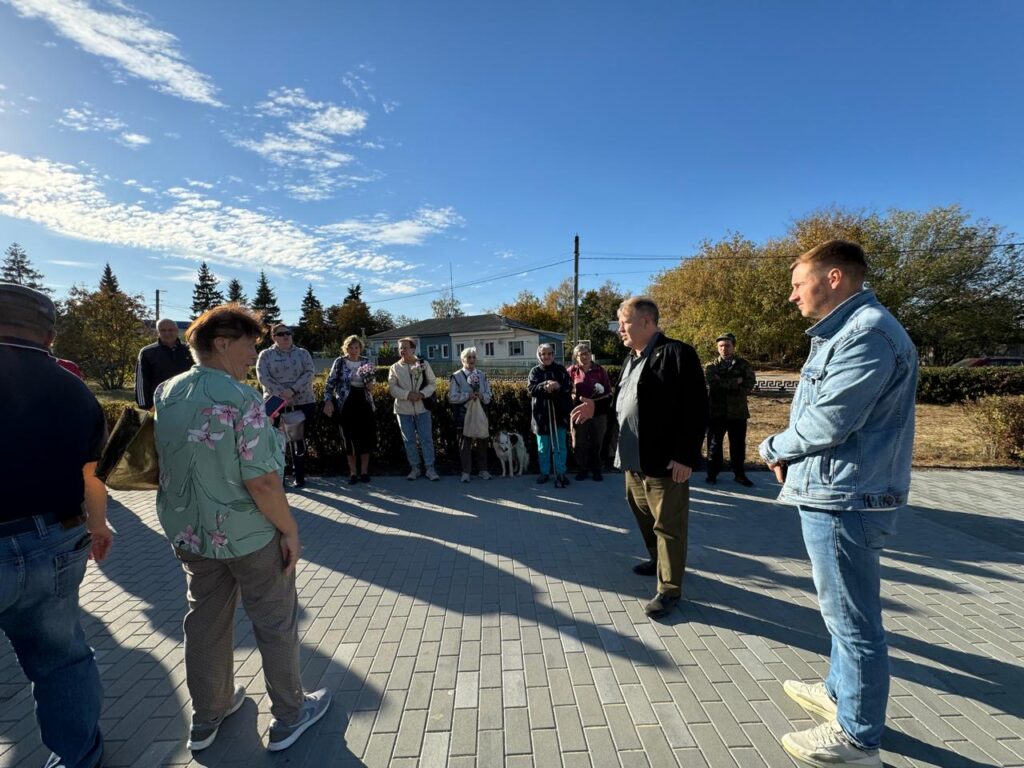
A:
(556, 448)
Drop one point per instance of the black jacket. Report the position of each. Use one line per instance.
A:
(156, 364)
(673, 404)
(539, 399)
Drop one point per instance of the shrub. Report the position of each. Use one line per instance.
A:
(1002, 420)
(944, 386)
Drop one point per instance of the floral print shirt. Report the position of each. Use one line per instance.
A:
(212, 433)
(278, 370)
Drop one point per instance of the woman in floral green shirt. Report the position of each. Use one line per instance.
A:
(222, 504)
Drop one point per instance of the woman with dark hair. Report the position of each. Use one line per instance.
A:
(549, 386)
(347, 395)
(287, 371)
(222, 504)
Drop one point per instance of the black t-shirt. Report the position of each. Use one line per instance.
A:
(50, 426)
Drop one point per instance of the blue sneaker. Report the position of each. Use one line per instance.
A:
(202, 734)
(283, 736)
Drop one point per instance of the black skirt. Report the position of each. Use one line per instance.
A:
(358, 423)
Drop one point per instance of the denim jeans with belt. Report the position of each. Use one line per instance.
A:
(40, 572)
(421, 425)
(845, 548)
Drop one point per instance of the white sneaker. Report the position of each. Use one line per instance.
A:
(828, 746)
(414, 475)
(812, 697)
(432, 475)
(465, 477)
(485, 475)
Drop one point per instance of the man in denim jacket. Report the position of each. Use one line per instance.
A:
(844, 463)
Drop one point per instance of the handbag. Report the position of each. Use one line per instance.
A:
(293, 423)
(430, 402)
(129, 460)
(475, 424)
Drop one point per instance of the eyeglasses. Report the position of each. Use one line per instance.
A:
(282, 333)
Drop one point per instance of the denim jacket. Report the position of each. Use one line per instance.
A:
(851, 427)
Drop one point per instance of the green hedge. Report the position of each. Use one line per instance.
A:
(509, 410)
(944, 386)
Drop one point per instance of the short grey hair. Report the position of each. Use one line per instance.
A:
(466, 353)
(545, 345)
(580, 348)
(164, 320)
(641, 305)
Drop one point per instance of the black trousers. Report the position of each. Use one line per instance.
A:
(737, 430)
(298, 449)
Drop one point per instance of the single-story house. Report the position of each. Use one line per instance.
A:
(499, 342)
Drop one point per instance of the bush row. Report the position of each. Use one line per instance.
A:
(944, 386)
(1002, 418)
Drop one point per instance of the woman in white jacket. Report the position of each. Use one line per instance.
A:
(411, 381)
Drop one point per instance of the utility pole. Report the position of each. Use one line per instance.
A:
(576, 293)
(451, 290)
(158, 304)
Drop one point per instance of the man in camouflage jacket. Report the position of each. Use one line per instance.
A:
(730, 379)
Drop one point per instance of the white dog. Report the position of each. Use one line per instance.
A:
(511, 450)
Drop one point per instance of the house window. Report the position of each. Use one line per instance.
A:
(489, 349)
(444, 352)
(515, 349)
(459, 348)
(431, 351)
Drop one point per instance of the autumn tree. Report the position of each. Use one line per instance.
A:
(102, 331)
(205, 294)
(17, 268)
(529, 310)
(446, 305)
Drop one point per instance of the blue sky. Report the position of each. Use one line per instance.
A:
(339, 142)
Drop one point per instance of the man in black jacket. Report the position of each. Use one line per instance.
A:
(160, 361)
(662, 408)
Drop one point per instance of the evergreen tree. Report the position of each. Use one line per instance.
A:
(311, 324)
(205, 295)
(108, 282)
(235, 294)
(355, 293)
(265, 301)
(18, 269)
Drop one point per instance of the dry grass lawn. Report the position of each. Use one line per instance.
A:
(946, 435)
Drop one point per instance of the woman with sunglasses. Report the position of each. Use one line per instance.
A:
(286, 371)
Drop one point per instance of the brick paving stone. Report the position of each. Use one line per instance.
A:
(510, 632)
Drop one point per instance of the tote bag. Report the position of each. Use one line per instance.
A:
(129, 460)
(475, 424)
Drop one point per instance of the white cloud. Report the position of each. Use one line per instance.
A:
(3, 87)
(70, 201)
(126, 39)
(133, 140)
(302, 142)
(70, 263)
(399, 287)
(380, 231)
(200, 184)
(85, 119)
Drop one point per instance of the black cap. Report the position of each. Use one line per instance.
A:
(25, 307)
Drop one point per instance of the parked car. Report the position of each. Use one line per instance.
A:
(981, 362)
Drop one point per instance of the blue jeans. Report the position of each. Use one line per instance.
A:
(845, 548)
(40, 572)
(420, 425)
(552, 453)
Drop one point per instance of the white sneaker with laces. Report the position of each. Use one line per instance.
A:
(465, 477)
(432, 475)
(828, 746)
(414, 475)
(813, 697)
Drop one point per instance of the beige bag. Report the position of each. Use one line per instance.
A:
(475, 424)
(294, 425)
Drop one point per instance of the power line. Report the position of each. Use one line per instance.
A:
(619, 256)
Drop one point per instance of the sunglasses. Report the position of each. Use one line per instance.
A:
(282, 333)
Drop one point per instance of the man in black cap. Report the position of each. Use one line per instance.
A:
(730, 379)
(55, 432)
(160, 361)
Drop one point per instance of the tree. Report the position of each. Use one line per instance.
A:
(350, 317)
(102, 331)
(311, 331)
(108, 282)
(559, 301)
(265, 301)
(235, 295)
(598, 307)
(446, 305)
(355, 293)
(403, 320)
(529, 310)
(18, 269)
(382, 321)
(205, 295)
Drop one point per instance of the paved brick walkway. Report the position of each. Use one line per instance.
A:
(499, 624)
